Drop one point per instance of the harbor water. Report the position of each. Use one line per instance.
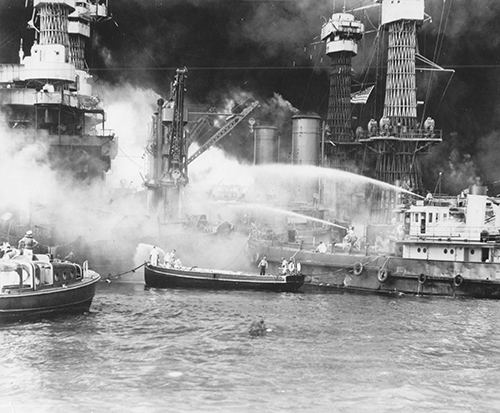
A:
(189, 351)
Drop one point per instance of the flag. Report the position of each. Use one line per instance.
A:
(362, 95)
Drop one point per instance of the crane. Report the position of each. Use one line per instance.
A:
(228, 127)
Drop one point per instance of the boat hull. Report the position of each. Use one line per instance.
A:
(340, 272)
(160, 277)
(71, 299)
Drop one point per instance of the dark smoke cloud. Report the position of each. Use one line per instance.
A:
(158, 34)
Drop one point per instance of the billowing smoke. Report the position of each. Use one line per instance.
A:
(252, 46)
(129, 110)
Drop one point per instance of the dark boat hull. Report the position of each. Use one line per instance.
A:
(71, 299)
(160, 277)
(342, 273)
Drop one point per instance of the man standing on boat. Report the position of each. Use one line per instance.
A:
(263, 266)
(322, 248)
(27, 243)
(154, 256)
(284, 265)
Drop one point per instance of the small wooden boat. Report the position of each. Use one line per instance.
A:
(31, 287)
(194, 277)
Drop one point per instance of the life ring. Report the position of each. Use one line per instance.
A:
(422, 278)
(383, 275)
(357, 269)
(458, 280)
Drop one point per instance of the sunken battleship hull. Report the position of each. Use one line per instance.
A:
(386, 274)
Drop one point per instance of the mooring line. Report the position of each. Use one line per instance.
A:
(114, 277)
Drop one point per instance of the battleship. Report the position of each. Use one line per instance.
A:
(47, 96)
(437, 246)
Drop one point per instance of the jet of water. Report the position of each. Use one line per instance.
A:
(311, 171)
(265, 208)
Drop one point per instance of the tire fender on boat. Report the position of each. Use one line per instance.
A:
(357, 269)
(422, 278)
(383, 275)
(458, 280)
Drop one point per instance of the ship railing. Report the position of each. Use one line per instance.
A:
(103, 132)
(410, 134)
(462, 232)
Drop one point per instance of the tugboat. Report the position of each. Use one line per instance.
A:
(448, 247)
(34, 286)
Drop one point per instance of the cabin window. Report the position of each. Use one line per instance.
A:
(418, 249)
(451, 251)
(430, 216)
(424, 250)
(445, 250)
(471, 252)
(437, 217)
(485, 254)
(416, 216)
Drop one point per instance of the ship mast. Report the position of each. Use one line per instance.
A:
(397, 140)
(341, 35)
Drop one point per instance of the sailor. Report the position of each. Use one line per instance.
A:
(257, 328)
(177, 263)
(154, 255)
(350, 239)
(170, 258)
(27, 243)
(321, 247)
(372, 127)
(429, 125)
(263, 266)
(284, 266)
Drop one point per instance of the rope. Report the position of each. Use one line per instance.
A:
(116, 276)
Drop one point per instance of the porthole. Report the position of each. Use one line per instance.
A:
(424, 250)
(445, 251)
(418, 249)
(471, 252)
(451, 251)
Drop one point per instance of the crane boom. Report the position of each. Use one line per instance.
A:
(228, 127)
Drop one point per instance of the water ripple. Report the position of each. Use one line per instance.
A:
(142, 350)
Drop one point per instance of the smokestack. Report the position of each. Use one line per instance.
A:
(265, 144)
(306, 131)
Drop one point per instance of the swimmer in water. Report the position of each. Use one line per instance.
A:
(258, 328)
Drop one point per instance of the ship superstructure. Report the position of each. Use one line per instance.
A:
(399, 139)
(47, 97)
(341, 35)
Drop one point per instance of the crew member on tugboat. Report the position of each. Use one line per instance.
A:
(27, 243)
(263, 266)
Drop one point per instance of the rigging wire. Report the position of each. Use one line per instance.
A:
(439, 31)
(444, 30)
(436, 48)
